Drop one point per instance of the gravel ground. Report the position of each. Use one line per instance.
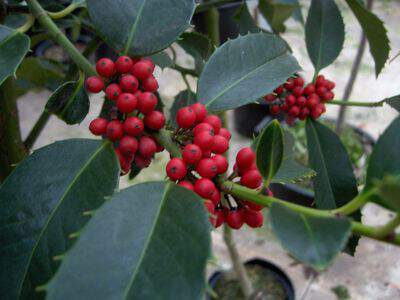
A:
(367, 275)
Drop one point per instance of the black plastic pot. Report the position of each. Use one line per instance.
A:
(279, 275)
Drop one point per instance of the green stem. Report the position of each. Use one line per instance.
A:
(59, 37)
(186, 82)
(37, 129)
(184, 70)
(63, 13)
(354, 204)
(164, 139)
(353, 103)
(28, 24)
(388, 228)
(210, 4)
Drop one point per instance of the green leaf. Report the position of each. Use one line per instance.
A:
(13, 48)
(335, 183)
(42, 202)
(245, 21)
(389, 191)
(276, 13)
(270, 150)
(184, 98)
(314, 241)
(69, 102)
(162, 60)
(197, 45)
(243, 70)
(375, 32)
(151, 241)
(394, 102)
(140, 27)
(324, 33)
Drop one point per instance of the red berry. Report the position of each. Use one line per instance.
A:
(328, 96)
(210, 206)
(126, 103)
(251, 179)
(284, 107)
(220, 144)
(128, 145)
(297, 91)
(289, 85)
(133, 126)
(113, 91)
(185, 117)
(225, 133)
(321, 91)
(253, 206)
(304, 113)
(94, 84)
(154, 120)
(105, 67)
(147, 102)
(290, 120)
(204, 187)
(125, 162)
(147, 146)
(279, 90)
(186, 184)
(330, 85)
(129, 83)
(274, 109)
(98, 126)
(215, 197)
(141, 70)
(316, 112)
(253, 218)
(320, 81)
(207, 168)
(123, 64)
(191, 154)
(290, 100)
(207, 154)
(235, 219)
(150, 84)
(294, 111)
(309, 89)
(142, 162)
(312, 102)
(202, 127)
(245, 158)
(270, 97)
(298, 81)
(114, 130)
(214, 121)
(200, 111)
(218, 218)
(149, 62)
(204, 140)
(221, 162)
(301, 101)
(176, 169)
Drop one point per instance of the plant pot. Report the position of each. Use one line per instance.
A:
(267, 276)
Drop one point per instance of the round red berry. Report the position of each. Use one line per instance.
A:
(297, 91)
(94, 84)
(126, 103)
(215, 197)
(309, 89)
(290, 100)
(251, 179)
(149, 62)
(301, 101)
(105, 67)
(133, 126)
(253, 218)
(147, 146)
(129, 83)
(186, 184)
(200, 110)
(289, 85)
(204, 140)
(98, 126)
(113, 91)
(192, 154)
(328, 96)
(114, 130)
(147, 102)
(154, 120)
(207, 154)
(209, 206)
(207, 168)
(235, 219)
(279, 90)
(142, 162)
(270, 97)
(245, 158)
(150, 84)
(294, 111)
(204, 187)
(185, 117)
(330, 85)
(320, 81)
(304, 112)
(220, 144)
(221, 162)
(128, 145)
(253, 206)
(225, 133)
(202, 127)
(123, 64)
(274, 109)
(124, 161)
(321, 91)
(141, 70)
(176, 169)
(298, 81)
(218, 218)
(214, 121)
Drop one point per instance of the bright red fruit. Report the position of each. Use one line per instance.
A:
(141, 70)
(204, 140)
(328, 96)
(126, 103)
(221, 162)
(225, 133)
(125, 162)
(218, 218)
(274, 109)
(270, 97)
(253, 218)
(176, 169)
(114, 130)
(251, 179)
(220, 144)
(289, 85)
(150, 84)
(123, 64)
(113, 91)
(207, 168)
(254, 206)
(297, 91)
(210, 206)
(147, 102)
(200, 110)
(214, 121)
(94, 84)
(245, 158)
(298, 81)
(186, 184)
(279, 90)
(147, 146)
(202, 127)
(129, 83)
(154, 120)
(105, 67)
(149, 62)
(309, 89)
(128, 145)
(204, 187)
(290, 100)
(142, 162)
(133, 126)
(215, 197)
(98, 126)
(185, 117)
(191, 154)
(294, 111)
(235, 219)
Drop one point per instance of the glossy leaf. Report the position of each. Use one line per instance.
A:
(13, 48)
(150, 241)
(42, 202)
(245, 21)
(243, 70)
(140, 27)
(162, 60)
(375, 32)
(389, 191)
(335, 183)
(270, 150)
(314, 241)
(276, 13)
(324, 33)
(184, 98)
(394, 102)
(69, 102)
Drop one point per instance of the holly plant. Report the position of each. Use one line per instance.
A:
(68, 232)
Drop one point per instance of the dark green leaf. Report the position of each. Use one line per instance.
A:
(394, 102)
(389, 191)
(324, 33)
(13, 48)
(162, 60)
(314, 241)
(276, 13)
(245, 21)
(334, 184)
(270, 150)
(375, 32)
(184, 98)
(140, 27)
(69, 102)
(243, 70)
(42, 202)
(197, 45)
(151, 241)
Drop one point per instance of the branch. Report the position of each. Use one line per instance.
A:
(353, 103)
(63, 13)
(37, 129)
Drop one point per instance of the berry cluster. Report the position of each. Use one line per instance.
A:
(130, 85)
(297, 100)
(203, 143)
